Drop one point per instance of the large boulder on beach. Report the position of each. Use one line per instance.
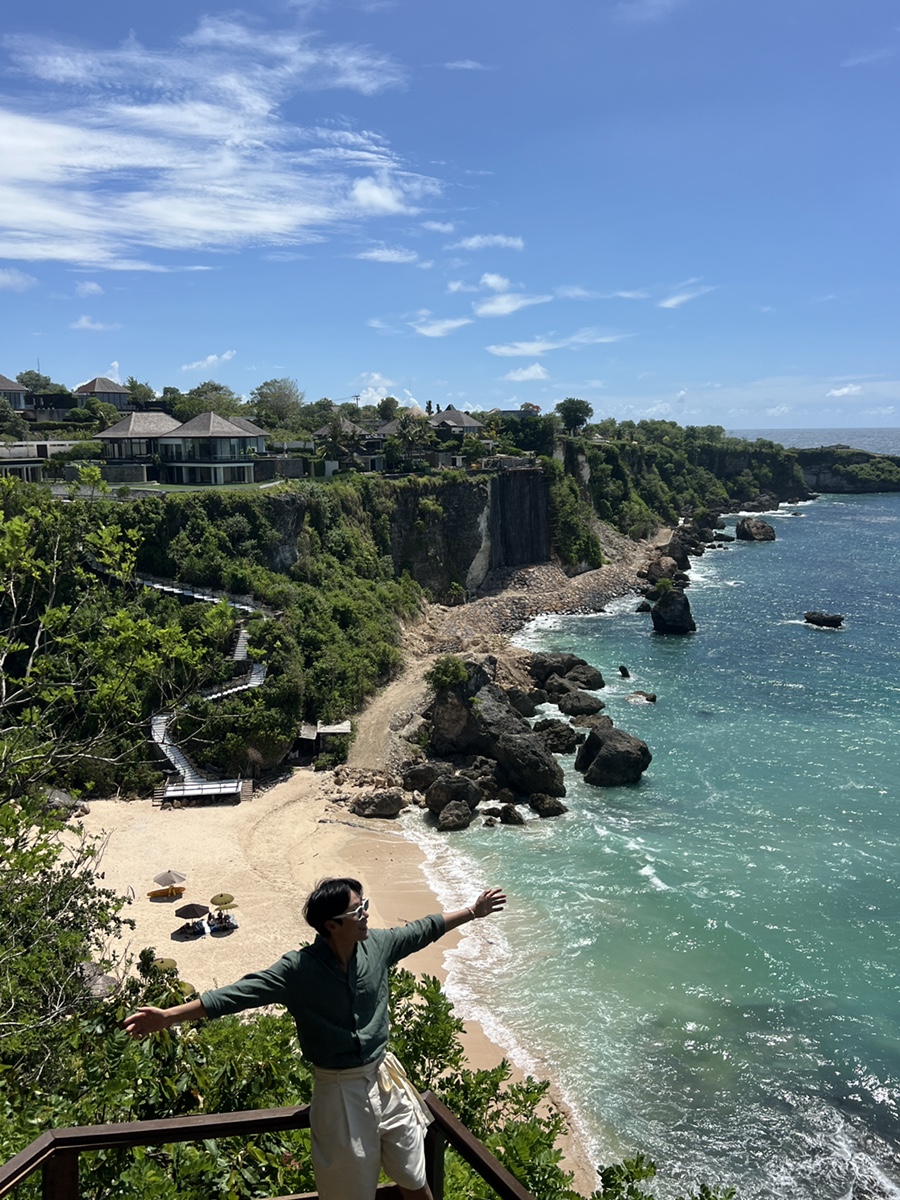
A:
(464, 724)
(386, 803)
(612, 758)
(600, 723)
(558, 736)
(753, 529)
(579, 704)
(418, 777)
(542, 666)
(663, 567)
(558, 685)
(452, 789)
(586, 676)
(528, 764)
(672, 613)
(456, 815)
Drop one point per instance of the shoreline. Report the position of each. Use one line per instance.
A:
(271, 852)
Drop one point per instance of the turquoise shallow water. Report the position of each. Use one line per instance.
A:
(707, 962)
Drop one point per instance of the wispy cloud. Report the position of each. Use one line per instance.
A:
(779, 410)
(465, 64)
(505, 303)
(211, 360)
(851, 389)
(457, 285)
(12, 280)
(439, 328)
(886, 410)
(488, 241)
(88, 288)
(438, 226)
(95, 326)
(543, 345)
(688, 292)
(869, 56)
(524, 374)
(114, 154)
(388, 254)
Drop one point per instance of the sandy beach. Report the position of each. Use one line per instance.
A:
(270, 852)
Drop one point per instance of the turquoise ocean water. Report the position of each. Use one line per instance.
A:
(707, 963)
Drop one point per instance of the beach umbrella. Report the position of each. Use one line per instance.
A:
(166, 964)
(192, 912)
(169, 878)
(222, 900)
(230, 904)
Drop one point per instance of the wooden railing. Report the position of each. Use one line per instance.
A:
(55, 1153)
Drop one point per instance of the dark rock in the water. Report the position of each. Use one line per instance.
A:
(764, 502)
(521, 701)
(649, 697)
(644, 606)
(557, 685)
(457, 815)
(672, 614)
(529, 766)
(612, 758)
(510, 815)
(491, 821)
(452, 789)
(827, 620)
(586, 676)
(663, 567)
(579, 704)
(623, 670)
(547, 806)
(543, 665)
(493, 811)
(752, 529)
(599, 723)
(469, 725)
(387, 803)
(558, 737)
(420, 776)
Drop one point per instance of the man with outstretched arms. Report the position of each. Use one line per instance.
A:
(365, 1114)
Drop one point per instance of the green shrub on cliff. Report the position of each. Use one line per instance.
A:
(447, 671)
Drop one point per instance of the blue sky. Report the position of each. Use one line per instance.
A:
(671, 208)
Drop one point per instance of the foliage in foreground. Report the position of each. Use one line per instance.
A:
(65, 1060)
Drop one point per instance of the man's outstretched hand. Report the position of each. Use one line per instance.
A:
(145, 1021)
(490, 901)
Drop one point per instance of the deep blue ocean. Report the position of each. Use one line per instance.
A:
(707, 963)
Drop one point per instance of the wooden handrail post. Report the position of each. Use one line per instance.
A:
(60, 1176)
(435, 1145)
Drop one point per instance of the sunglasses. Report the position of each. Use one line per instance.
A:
(356, 913)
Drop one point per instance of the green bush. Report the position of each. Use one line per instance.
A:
(447, 672)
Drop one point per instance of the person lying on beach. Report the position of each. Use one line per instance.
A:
(365, 1114)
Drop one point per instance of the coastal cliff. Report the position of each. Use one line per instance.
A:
(845, 471)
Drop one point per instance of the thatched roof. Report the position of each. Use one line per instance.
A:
(142, 425)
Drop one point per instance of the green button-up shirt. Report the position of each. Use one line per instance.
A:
(342, 1017)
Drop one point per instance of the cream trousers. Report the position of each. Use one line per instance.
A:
(364, 1119)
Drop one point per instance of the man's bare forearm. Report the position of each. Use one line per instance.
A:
(149, 1020)
(490, 901)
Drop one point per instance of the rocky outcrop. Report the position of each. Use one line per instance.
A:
(579, 704)
(672, 614)
(452, 789)
(558, 736)
(457, 815)
(547, 806)
(387, 803)
(612, 758)
(528, 765)
(752, 529)
(586, 676)
(826, 620)
(418, 777)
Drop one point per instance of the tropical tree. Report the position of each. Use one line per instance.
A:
(342, 440)
(574, 413)
(205, 397)
(39, 384)
(278, 404)
(387, 408)
(413, 433)
(12, 426)
(141, 394)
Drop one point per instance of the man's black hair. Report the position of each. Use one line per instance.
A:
(328, 900)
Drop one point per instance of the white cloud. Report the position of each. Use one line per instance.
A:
(112, 154)
(487, 241)
(886, 410)
(780, 410)
(88, 323)
(88, 288)
(635, 294)
(869, 56)
(436, 329)
(438, 226)
(497, 283)
(457, 285)
(851, 389)
(13, 280)
(386, 254)
(524, 374)
(211, 360)
(574, 292)
(678, 298)
(539, 346)
(465, 64)
(505, 303)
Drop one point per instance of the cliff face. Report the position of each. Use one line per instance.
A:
(830, 469)
(461, 530)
